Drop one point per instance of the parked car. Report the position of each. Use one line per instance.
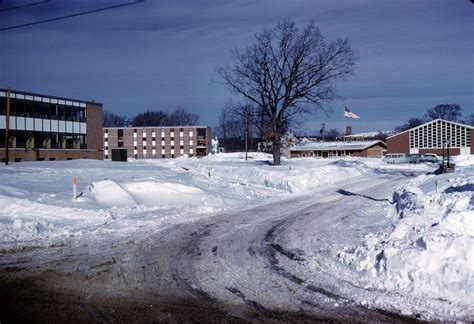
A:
(431, 158)
(415, 158)
(396, 158)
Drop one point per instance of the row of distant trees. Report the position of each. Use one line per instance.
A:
(178, 117)
(451, 112)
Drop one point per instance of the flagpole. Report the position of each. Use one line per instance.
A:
(344, 130)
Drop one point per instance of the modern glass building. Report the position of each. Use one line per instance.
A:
(44, 127)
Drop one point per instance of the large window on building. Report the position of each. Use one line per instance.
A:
(438, 134)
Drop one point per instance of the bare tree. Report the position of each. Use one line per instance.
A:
(333, 134)
(412, 122)
(288, 72)
(469, 120)
(150, 118)
(451, 112)
(113, 120)
(182, 117)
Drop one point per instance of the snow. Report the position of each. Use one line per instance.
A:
(37, 204)
(416, 255)
(428, 250)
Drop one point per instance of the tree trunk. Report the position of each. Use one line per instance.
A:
(276, 154)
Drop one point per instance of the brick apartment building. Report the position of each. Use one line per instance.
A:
(434, 137)
(158, 142)
(43, 127)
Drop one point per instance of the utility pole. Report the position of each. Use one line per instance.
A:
(246, 134)
(7, 126)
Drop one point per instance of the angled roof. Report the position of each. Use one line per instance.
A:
(431, 122)
(333, 146)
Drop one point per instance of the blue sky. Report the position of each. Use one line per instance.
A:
(163, 54)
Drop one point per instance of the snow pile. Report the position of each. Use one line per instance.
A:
(37, 206)
(429, 249)
(294, 175)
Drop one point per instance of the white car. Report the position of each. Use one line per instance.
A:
(431, 157)
(396, 158)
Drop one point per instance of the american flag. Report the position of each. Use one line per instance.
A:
(350, 114)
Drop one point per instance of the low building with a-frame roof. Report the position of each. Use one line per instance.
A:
(434, 137)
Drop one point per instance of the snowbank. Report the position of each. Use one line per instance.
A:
(37, 205)
(429, 249)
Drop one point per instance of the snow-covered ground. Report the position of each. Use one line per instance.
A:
(428, 251)
(419, 244)
(37, 205)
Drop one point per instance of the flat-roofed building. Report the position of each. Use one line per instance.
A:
(44, 127)
(158, 142)
(335, 149)
(434, 137)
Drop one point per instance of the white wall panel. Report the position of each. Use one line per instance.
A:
(62, 126)
(3, 122)
(83, 128)
(20, 123)
(69, 127)
(54, 125)
(38, 124)
(30, 124)
(77, 128)
(46, 125)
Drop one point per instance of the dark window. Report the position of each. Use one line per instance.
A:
(54, 111)
(144, 139)
(46, 110)
(144, 147)
(120, 133)
(29, 111)
(82, 114)
(107, 131)
(61, 112)
(106, 139)
(172, 147)
(38, 109)
(135, 147)
(135, 130)
(120, 144)
(162, 138)
(201, 132)
(154, 139)
(181, 147)
(3, 106)
(19, 107)
(172, 156)
(163, 156)
(180, 129)
(172, 138)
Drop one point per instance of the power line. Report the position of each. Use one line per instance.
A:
(24, 5)
(83, 13)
